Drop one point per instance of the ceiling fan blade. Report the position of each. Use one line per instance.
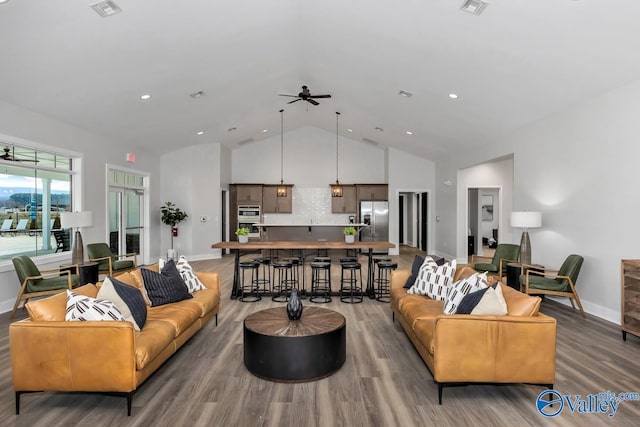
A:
(284, 94)
(295, 100)
(312, 101)
(320, 96)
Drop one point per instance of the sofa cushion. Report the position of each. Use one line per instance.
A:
(421, 308)
(433, 280)
(127, 298)
(179, 315)
(519, 304)
(83, 308)
(206, 299)
(462, 288)
(151, 340)
(53, 309)
(163, 289)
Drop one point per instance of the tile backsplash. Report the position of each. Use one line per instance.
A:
(310, 206)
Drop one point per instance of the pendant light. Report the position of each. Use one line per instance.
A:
(281, 191)
(336, 189)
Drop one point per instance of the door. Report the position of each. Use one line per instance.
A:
(423, 221)
(126, 221)
(401, 219)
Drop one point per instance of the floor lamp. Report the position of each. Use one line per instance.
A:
(526, 220)
(77, 220)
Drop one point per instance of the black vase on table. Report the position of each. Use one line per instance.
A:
(294, 306)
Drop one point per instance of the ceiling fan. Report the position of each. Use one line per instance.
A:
(10, 157)
(305, 95)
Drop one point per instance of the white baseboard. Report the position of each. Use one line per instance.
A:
(592, 309)
(7, 305)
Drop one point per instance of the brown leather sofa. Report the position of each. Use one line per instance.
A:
(463, 348)
(51, 354)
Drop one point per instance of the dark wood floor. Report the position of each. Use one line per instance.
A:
(382, 383)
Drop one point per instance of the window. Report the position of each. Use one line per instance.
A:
(35, 186)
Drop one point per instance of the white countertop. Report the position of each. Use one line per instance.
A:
(310, 225)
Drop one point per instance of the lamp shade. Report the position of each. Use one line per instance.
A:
(526, 219)
(76, 219)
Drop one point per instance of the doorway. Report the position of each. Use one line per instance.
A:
(413, 219)
(483, 219)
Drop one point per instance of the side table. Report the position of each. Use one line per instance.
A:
(514, 270)
(88, 272)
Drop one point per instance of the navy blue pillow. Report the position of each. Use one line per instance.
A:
(415, 269)
(170, 270)
(132, 297)
(440, 262)
(470, 301)
(164, 289)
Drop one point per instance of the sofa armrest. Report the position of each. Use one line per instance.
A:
(469, 348)
(210, 279)
(399, 278)
(73, 356)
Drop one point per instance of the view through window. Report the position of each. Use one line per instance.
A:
(35, 186)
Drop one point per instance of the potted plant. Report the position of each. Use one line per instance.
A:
(172, 216)
(243, 234)
(349, 234)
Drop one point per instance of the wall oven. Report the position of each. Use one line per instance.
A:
(248, 215)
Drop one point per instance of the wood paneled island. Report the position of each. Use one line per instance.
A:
(304, 245)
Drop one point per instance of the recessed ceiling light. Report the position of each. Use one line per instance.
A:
(197, 94)
(349, 130)
(265, 130)
(453, 96)
(409, 132)
(201, 133)
(474, 6)
(379, 129)
(3, 1)
(405, 94)
(105, 8)
(145, 96)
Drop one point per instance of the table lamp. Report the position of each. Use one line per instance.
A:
(526, 220)
(77, 220)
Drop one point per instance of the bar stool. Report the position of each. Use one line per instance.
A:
(263, 280)
(321, 259)
(383, 291)
(294, 276)
(246, 289)
(281, 282)
(350, 289)
(375, 267)
(320, 282)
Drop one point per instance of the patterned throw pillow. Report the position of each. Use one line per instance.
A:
(462, 288)
(83, 308)
(163, 289)
(470, 301)
(433, 280)
(188, 275)
(127, 299)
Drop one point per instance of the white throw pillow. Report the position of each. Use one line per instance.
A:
(462, 288)
(433, 280)
(188, 275)
(491, 303)
(83, 308)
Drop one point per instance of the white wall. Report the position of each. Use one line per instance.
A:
(309, 160)
(408, 173)
(98, 150)
(575, 167)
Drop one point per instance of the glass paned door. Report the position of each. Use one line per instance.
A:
(125, 221)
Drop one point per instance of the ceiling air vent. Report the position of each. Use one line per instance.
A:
(106, 8)
(245, 141)
(370, 141)
(474, 6)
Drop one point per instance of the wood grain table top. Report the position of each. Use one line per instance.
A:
(314, 321)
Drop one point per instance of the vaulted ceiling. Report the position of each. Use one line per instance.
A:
(515, 63)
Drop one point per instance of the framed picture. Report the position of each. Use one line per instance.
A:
(487, 208)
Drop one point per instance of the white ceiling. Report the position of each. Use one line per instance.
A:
(517, 62)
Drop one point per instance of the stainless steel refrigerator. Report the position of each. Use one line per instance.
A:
(376, 216)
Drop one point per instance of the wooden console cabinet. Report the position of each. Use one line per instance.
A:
(630, 312)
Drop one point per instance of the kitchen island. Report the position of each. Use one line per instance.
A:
(254, 246)
(305, 232)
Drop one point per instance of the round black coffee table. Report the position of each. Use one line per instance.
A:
(278, 349)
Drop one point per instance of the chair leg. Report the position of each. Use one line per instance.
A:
(15, 306)
(580, 306)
